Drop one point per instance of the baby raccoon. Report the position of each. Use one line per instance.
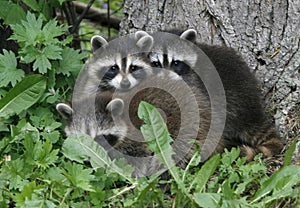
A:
(246, 122)
(114, 124)
(119, 64)
(99, 117)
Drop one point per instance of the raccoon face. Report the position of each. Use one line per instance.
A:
(95, 120)
(177, 57)
(124, 65)
(124, 73)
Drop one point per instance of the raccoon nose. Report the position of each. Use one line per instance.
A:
(125, 84)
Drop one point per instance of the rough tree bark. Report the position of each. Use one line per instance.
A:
(265, 32)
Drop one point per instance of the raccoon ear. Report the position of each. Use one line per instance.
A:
(97, 42)
(189, 35)
(144, 40)
(65, 111)
(116, 106)
(139, 34)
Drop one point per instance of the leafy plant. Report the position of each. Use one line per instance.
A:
(23, 95)
(40, 167)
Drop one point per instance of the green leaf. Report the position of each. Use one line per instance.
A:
(80, 148)
(32, 4)
(156, 134)
(71, 61)
(52, 52)
(9, 72)
(42, 64)
(280, 182)
(51, 30)
(40, 153)
(23, 95)
(206, 171)
(26, 193)
(14, 172)
(209, 200)
(158, 139)
(78, 176)
(29, 32)
(12, 13)
(288, 156)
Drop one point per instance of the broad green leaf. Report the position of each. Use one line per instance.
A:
(156, 134)
(23, 95)
(288, 156)
(208, 200)
(206, 171)
(12, 13)
(280, 182)
(9, 72)
(32, 4)
(80, 148)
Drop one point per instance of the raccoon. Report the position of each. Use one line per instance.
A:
(100, 117)
(111, 120)
(246, 122)
(119, 64)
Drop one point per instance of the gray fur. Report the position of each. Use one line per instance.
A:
(246, 122)
(128, 56)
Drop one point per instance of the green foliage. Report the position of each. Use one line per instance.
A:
(33, 171)
(12, 13)
(39, 167)
(23, 95)
(80, 148)
(9, 73)
(39, 42)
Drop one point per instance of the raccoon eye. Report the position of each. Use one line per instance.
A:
(176, 63)
(156, 64)
(114, 68)
(111, 139)
(133, 68)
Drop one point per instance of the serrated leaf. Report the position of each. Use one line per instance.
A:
(9, 72)
(26, 193)
(71, 61)
(23, 95)
(52, 52)
(40, 153)
(156, 135)
(42, 64)
(78, 176)
(81, 147)
(13, 172)
(29, 32)
(51, 30)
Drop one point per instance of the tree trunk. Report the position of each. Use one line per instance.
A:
(265, 32)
